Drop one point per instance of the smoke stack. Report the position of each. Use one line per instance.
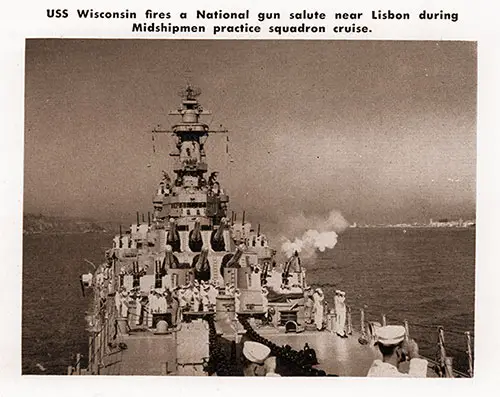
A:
(258, 230)
(142, 218)
(243, 220)
(120, 230)
(137, 213)
(149, 218)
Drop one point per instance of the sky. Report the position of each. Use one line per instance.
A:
(380, 131)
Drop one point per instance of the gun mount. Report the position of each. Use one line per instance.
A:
(195, 240)
(170, 261)
(201, 266)
(173, 238)
(217, 240)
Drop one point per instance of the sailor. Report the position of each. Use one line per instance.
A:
(308, 305)
(152, 306)
(394, 348)
(318, 299)
(237, 295)
(161, 301)
(204, 296)
(340, 310)
(270, 366)
(124, 304)
(118, 300)
(188, 295)
(255, 354)
(196, 297)
(181, 293)
(138, 308)
(176, 316)
(265, 301)
(212, 295)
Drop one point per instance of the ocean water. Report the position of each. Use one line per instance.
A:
(424, 275)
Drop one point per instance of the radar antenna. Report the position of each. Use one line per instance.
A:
(190, 93)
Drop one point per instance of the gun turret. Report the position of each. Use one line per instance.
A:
(195, 240)
(170, 262)
(201, 262)
(201, 266)
(233, 262)
(217, 240)
(173, 238)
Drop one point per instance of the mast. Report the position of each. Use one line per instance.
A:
(191, 166)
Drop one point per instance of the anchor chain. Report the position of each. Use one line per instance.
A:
(217, 362)
(297, 363)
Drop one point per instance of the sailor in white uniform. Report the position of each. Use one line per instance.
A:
(393, 346)
(255, 355)
(205, 300)
(318, 299)
(212, 296)
(237, 301)
(340, 312)
(270, 366)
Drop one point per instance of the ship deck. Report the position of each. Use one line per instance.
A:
(146, 354)
(153, 355)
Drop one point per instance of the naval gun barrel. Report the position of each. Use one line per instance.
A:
(196, 233)
(172, 232)
(169, 262)
(201, 261)
(219, 233)
(173, 236)
(233, 262)
(195, 240)
(218, 237)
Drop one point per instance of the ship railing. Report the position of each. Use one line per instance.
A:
(457, 350)
(100, 334)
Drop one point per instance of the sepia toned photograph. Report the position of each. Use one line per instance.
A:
(249, 208)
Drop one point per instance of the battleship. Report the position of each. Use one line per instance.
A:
(182, 290)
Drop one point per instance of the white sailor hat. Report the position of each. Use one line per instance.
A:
(342, 293)
(256, 352)
(391, 335)
(337, 291)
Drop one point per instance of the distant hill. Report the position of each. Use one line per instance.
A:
(38, 223)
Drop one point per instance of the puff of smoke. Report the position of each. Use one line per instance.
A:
(321, 234)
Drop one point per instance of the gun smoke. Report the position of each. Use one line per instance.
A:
(321, 234)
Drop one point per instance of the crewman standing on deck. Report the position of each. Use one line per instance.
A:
(394, 348)
(340, 312)
(318, 299)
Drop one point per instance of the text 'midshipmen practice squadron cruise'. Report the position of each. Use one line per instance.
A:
(192, 290)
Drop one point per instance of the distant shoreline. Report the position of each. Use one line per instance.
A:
(411, 227)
